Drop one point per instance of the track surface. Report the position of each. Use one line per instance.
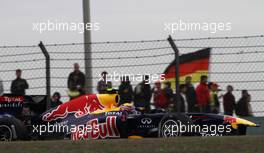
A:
(241, 144)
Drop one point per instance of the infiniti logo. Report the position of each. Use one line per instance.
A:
(146, 120)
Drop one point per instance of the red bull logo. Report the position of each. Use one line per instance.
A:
(108, 129)
(80, 107)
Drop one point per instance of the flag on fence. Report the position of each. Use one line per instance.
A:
(192, 64)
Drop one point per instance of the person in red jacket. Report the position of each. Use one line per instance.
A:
(160, 99)
(203, 95)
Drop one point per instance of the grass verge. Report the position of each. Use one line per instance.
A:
(238, 144)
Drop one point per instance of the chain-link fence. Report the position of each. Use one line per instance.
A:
(27, 58)
(236, 61)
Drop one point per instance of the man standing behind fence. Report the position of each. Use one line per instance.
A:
(125, 91)
(229, 101)
(203, 95)
(76, 82)
(143, 94)
(169, 93)
(102, 84)
(190, 94)
(159, 97)
(243, 107)
(1, 87)
(19, 85)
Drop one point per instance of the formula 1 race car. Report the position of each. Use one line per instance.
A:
(98, 116)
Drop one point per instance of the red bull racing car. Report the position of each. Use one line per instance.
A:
(98, 116)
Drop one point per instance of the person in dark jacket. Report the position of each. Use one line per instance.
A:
(76, 81)
(102, 84)
(19, 85)
(1, 87)
(55, 100)
(183, 100)
(190, 95)
(143, 94)
(243, 107)
(125, 91)
(169, 93)
(229, 101)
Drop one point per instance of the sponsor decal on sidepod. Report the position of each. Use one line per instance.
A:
(107, 129)
(80, 107)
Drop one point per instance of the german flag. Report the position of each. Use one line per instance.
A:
(192, 64)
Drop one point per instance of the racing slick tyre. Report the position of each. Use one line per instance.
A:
(12, 129)
(172, 125)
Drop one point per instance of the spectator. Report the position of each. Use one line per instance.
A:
(160, 100)
(76, 82)
(203, 95)
(110, 89)
(243, 107)
(19, 85)
(55, 100)
(214, 99)
(125, 91)
(1, 87)
(183, 100)
(229, 101)
(143, 94)
(190, 94)
(102, 84)
(168, 93)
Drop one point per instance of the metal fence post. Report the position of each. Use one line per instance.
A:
(177, 75)
(87, 47)
(47, 59)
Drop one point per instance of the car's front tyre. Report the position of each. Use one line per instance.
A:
(174, 125)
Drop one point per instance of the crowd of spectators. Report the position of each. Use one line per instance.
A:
(204, 98)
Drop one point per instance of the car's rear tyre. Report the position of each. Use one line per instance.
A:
(172, 125)
(5, 133)
(12, 129)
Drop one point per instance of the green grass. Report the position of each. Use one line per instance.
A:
(241, 144)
